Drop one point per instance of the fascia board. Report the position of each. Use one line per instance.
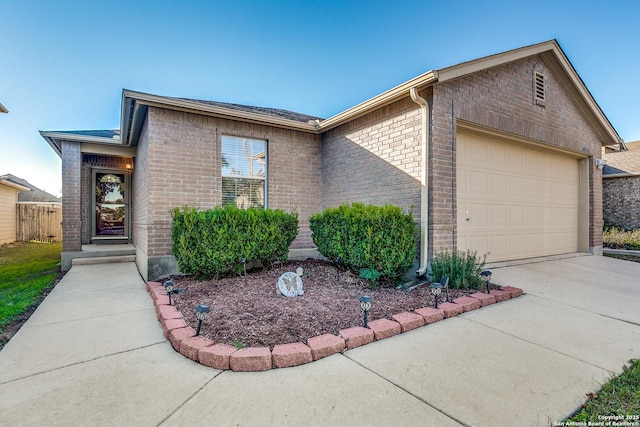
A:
(480, 64)
(52, 143)
(81, 138)
(14, 185)
(107, 149)
(385, 98)
(214, 110)
(621, 175)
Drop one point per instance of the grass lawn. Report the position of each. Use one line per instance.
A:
(26, 269)
(620, 396)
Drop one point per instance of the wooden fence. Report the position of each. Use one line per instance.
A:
(41, 223)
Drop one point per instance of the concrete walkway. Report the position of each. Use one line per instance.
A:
(93, 354)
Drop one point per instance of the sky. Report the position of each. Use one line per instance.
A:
(64, 63)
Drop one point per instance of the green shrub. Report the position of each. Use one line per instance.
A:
(617, 238)
(380, 238)
(214, 242)
(462, 268)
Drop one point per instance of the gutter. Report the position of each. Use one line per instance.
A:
(424, 182)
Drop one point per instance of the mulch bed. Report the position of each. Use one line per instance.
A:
(250, 311)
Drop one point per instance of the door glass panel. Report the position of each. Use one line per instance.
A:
(110, 204)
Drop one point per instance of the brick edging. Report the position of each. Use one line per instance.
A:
(252, 359)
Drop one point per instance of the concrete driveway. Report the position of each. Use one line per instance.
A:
(94, 354)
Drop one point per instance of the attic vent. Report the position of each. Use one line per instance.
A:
(539, 87)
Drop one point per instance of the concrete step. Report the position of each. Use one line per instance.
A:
(103, 260)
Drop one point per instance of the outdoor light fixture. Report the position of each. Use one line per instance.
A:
(445, 283)
(365, 306)
(168, 286)
(436, 288)
(486, 278)
(202, 311)
(244, 269)
(337, 265)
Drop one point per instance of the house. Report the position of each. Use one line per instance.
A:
(8, 199)
(39, 214)
(496, 155)
(621, 186)
(3, 109)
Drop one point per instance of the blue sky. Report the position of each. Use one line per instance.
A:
(63, 64)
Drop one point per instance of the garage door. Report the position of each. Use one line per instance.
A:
(515, 201)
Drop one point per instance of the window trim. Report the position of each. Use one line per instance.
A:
(264, 179)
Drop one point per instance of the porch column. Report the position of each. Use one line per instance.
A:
(71, 197)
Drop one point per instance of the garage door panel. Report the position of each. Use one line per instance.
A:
(522, 204)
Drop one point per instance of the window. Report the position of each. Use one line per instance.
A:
(539, 88)
(244, 172)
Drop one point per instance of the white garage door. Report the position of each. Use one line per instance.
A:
(515, 201)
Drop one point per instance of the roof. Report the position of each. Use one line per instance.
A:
(33, 193)
(3, 109)
(135, 104)
(622, 163)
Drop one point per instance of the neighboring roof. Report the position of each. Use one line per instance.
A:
(3, 109)
(33, 193)
(11, 184)
(621, 163)
(135, 104)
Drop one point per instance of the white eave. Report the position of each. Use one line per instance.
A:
(133, 102)
(14, 185)
(53, 138)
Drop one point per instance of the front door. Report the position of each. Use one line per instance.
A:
(111, 219)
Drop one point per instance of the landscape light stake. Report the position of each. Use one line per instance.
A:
(337, 268)
(202, 311)
(436, 288)
(365, 306)
(244, 269)
(445, 282)
(168, 286)
(486, 278)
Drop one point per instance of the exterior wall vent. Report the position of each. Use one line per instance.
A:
(539, 88)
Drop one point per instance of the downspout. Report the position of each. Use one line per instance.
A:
(424, 182)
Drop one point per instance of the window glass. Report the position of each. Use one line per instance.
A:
(244, 171)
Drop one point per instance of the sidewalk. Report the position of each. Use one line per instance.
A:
(93, 354)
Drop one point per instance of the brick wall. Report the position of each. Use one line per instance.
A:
(501, 98)
(71, 191)
(374, 159)
(140, 190)
(184, 168)
(621, 204)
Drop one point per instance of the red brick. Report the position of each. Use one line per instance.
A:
(514, 292)
(356, 336)
(216, 356)
(170, 324)
(430, 315)
(384, 328)
(250, 359)
(408, 321)
(325, 345)
(287, 355)
(485, 299)
(152, 285)
(189, 347)
(450, 309)
(467, 303)
(176, 336)
(500, 295)
(167, 312)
